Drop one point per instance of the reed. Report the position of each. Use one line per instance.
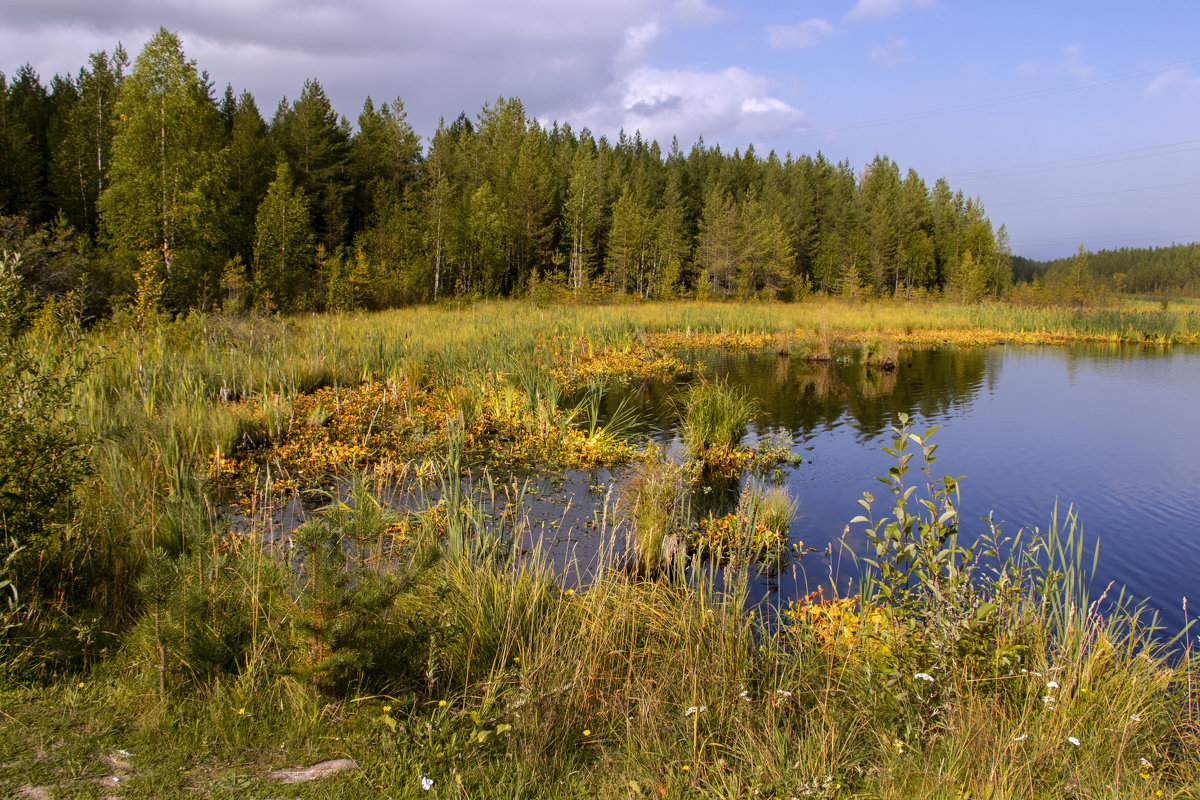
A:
(190, 638)
(713, 416)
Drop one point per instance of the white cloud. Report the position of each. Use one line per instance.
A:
(732, 105)
(809, 33)
(881, 9)
(892, 54)
(1174, 80)
(1068, 64)
(639, 40)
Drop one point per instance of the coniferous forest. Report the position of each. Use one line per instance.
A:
(144, 167)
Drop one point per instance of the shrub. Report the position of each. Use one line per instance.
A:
(43, 452)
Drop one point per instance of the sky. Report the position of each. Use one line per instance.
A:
(1074, 122)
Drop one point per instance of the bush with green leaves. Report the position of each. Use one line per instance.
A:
(954, 608)
(43, 452)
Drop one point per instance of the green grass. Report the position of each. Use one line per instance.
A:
(713, 416)
(174, 627)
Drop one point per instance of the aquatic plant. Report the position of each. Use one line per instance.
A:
(713, 417)
(654, 503)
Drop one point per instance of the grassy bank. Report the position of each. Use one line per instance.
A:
(148, 643)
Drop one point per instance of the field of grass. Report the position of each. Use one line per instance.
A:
(150, 651)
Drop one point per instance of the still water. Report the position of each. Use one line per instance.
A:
(1109, 431)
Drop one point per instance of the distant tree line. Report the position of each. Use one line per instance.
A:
(1155, 270)
(129, 173)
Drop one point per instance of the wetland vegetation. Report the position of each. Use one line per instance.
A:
(258, 509)
(422, 643)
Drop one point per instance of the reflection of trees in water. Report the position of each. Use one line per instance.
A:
(799, 396)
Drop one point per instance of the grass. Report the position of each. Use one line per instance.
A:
(713, 416)
(209, 659)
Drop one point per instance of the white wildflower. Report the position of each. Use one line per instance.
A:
(1052, 685)
(695, 710)
(745, 695)
(783, 693)
(1147, 764)
(925, 676)
(1047, 699)
(1073, 740)
(1135, 717)
(426, 783)
(1021, 738)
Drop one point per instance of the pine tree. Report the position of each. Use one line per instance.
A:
(582, 215)
(250, 171)
(719, 242)
(22, 166)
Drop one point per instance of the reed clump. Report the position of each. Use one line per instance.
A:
(713, 418)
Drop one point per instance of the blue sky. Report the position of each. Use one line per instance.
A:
(1072, 121)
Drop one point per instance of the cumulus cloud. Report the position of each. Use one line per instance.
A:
(696, 12)
(809, 33)
(881, 9)
(1069, 63)
(731, 104)
(439, 57)
(1073, 65)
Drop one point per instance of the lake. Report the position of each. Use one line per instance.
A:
(1107, 430)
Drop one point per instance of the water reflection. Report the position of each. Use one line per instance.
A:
(801, 397)
(1106, 429)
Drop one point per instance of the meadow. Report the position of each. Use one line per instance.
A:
(151, 648)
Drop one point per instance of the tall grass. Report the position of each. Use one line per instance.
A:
(713, 416)
(216, 645)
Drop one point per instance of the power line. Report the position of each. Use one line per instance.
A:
(1123, 237)
(1143, 200)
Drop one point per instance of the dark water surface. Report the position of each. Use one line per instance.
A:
(1110, 431)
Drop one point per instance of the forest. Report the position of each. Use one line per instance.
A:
(1156, 270)
(143, 169)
